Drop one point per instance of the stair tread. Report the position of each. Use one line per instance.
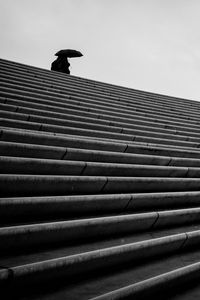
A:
(40, 254)
(95, 179)
(100, 284)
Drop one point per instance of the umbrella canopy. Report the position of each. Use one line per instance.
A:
(69, 53)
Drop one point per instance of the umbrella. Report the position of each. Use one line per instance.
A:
(69, 53)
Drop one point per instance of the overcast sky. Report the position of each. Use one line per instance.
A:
(153, 45)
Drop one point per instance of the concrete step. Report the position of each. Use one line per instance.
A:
(140, 94)
(109, 101)
(46, 185)
(98, 260)
(33, 117)
(155, 286)
(48, 139)
(39, 73)
(74, 102)
(59, 87)
(104, 134)
(103, 117)
(10, 132)
(13, 111)
(29, 255)
(63, 153)
(94, 92)
(68, 207)
(27, 236)
(89, 107)
(79, 124)
(84, 168)
(102, 282)
(99, 188)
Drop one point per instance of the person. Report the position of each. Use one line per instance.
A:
(61, 64)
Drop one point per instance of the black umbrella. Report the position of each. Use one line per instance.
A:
(69, 53)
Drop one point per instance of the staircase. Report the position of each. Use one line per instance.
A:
(100, 190)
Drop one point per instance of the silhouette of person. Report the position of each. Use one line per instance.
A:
(61, 64)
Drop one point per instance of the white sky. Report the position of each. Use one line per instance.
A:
(152, 45)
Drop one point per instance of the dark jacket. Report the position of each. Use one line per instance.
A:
(61, 64)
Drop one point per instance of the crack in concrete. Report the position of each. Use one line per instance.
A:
(154, 223)
(62, 157)
(186, 174)
(127, 204)
(125, 148)
(134, 138)
(169, 162)
(82, 171)
(186, 238)
(40, 128)
(103, 187)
